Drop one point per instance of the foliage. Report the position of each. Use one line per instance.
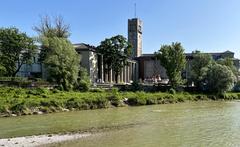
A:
(2, 70)
(83, 81)
(20, 79)
(173, 59)
(31, 101)
(199, 62)
(219, 78)
(172, 91)
(16, 49)
(229, 63)
(115, 51)
(49, 29)
(62, 63)
(136, 86)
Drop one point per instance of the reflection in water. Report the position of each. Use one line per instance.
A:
(189, 124)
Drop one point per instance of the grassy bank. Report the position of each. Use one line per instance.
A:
(17, 101)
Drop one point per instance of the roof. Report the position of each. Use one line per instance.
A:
(189, 55)
(84, 47)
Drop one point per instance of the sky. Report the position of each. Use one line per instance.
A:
(205, 25)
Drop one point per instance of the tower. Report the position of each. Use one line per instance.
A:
(135, 36)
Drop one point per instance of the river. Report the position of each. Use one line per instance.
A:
(186, 124)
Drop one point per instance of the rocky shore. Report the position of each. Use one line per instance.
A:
(40, 140)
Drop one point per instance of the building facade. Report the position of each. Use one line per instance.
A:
(143, 67)
(93, 63)
(150, 69)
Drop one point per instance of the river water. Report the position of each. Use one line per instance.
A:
(186, 124)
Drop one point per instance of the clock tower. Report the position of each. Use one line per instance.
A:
(135, 36)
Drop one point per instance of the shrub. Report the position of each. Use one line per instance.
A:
(18, 108)
(83, 82)
(152, 101)
(135, 86)
(98, 90)
(219, 78)
(172, 91)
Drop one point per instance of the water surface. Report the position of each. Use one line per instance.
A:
(189, 124)
(186, 124)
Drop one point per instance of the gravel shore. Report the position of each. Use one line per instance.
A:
(32, 141)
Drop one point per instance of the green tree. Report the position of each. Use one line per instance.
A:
(83, 81)
(219, 78)
(16, 49)
(49, 29)
(229, 63)
(115, 51)
(62, 62)
(173, 59)
(200, 61)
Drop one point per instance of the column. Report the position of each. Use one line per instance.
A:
(113, 77)
(121, 75)
(110, 76)
(125, 74)
(106, 75)
(135, 72)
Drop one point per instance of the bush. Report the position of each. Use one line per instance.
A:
(172, 91)
(28, 101)
(135, 86)
(83, 82)
(98, 90)
(219, 78)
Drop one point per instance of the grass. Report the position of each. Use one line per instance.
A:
(19, 101)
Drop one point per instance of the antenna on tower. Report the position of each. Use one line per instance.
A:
(135, 10)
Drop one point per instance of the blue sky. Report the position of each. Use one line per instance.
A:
(206, 25)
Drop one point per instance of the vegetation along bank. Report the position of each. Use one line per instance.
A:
(19, 101)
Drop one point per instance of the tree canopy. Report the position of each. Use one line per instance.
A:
(173, 59)
(116, 51)
(62, 62)
(16, 49)
(229, 63)
(200, 61)
(56, 28)
(219, 78)
(49, 29)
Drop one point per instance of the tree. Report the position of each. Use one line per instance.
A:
(16, 49)
(115, 51)
(173, 59)
(62, 62)
(200, 61)
(83, 81)
(49, 29)
(229, 63)
(219, 78)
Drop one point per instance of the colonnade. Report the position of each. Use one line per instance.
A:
(127, 74)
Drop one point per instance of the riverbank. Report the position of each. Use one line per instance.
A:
(18, 101)
(40, 140)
